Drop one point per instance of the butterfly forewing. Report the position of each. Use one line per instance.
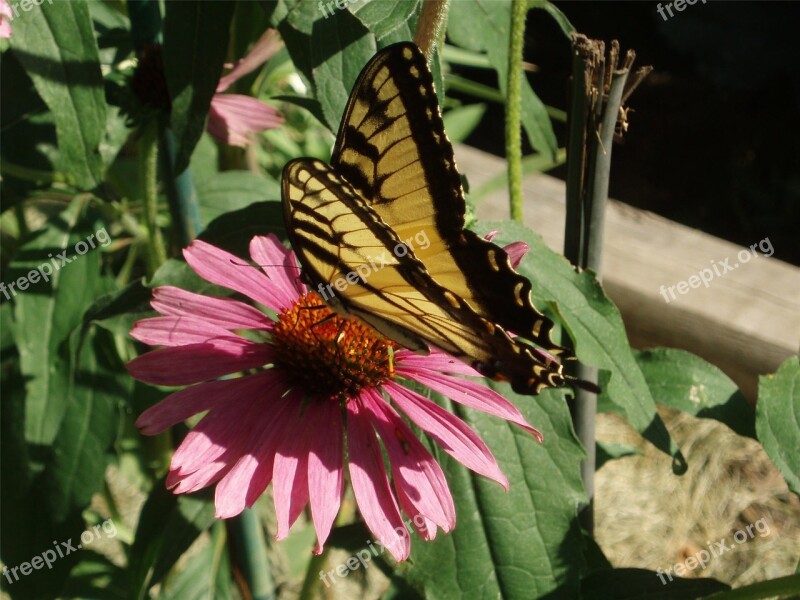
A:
(393, 149)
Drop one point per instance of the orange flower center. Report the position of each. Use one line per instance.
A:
(330, 354)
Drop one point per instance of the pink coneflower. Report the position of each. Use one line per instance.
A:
(233, 118)
(313, 380)
(5, 19)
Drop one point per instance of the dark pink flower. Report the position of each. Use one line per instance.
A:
(232, 118)
(314, 380)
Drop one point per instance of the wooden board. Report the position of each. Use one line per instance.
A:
(746, 321)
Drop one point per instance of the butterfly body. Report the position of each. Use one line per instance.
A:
(386, 217)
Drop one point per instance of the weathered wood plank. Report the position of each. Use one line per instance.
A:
(746, 321)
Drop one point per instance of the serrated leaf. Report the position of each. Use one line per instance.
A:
(596, 328)
(778, 420)
(522, 544)
(641, 584)
(232, 190)
(382, 18)
(681, 380)
(330, 53)
(56, 45)
(195, 43)
(484, 26)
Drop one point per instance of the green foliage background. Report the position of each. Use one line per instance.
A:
(70, 167)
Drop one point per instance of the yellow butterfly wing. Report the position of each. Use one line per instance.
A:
(335, 234)
(392, 148)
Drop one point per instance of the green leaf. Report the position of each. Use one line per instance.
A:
(330, 53)
(484, 25)
(168, 525)
(195, 42)
(55, 43)
(47, 311)
(596, 328)
(778, 420)
(641, 584)
(208, 574)
(525, 543)
(559, 17)
(234, 230)
(233, 190)
(681, 380)
(460, 122)
(607, 451)
(66, 413)
(382, 18)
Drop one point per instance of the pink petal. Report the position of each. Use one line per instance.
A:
(209, 473)
(325, 476)
(265, 48)
(408, 363)
(278, 265)
(232, 117)
(516, 252)
(5, 28)
(475, 395)
(176, 331)
(371, 486)
(222, 312)
(451, 433)
(290, 474)
(424, 526)
(228, 426)
(251, 475)
(181, 405)
(194, 363)
(413, 468)
(225, 269)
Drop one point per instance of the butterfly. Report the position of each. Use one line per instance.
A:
(379, 233)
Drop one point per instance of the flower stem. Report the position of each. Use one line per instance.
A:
(431, 25)
(311, 584)
(251, 554)
(148, 156)
(519, 9)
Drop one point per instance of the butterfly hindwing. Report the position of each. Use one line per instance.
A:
(393, 149)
